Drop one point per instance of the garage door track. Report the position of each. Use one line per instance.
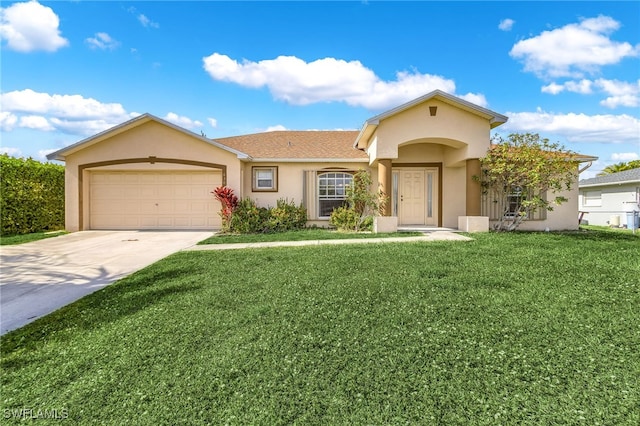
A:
(39, 277)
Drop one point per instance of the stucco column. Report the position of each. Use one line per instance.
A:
(474, 191)
(384, 178)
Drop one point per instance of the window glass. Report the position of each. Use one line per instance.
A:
(592, 198)
(264, 178)
(332, 191)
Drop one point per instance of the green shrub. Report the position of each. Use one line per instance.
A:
(286, 216)
(362, 205)
(31, 196)
(344, 218)
(247, 218)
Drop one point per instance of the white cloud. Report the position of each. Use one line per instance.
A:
(573, 50)
(146, 22)
(621, 93)
(82, 127)
(30, 26)
(7, 120)
(506, 24)
(212, 122)
(297, 82)
(182, 121)
(14, 152)
(42, 154)
(102, 41)
(475, 98)
(583, 86)
(603, 128)
(625, 156)
(276, 128)
(36, 122)
(73, 114)
(66, 106)
(553, 88)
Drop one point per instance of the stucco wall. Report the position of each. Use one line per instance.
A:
(616, 200)
(451, 126)
(291, 180)
(423, 152)
(562, 218)
(454, 198)
(148, 139)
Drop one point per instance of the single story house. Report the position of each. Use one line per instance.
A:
(148, 173)
(607, 199)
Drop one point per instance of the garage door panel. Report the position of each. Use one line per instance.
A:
(153, 200)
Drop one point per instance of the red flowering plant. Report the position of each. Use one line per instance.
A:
(229, 203)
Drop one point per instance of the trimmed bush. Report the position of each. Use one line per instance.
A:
(31, 196)
(286, 216)
(247, 218)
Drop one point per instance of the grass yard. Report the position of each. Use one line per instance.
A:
(302, 235)
(509, 329)
(6, 240)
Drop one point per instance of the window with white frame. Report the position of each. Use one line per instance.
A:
(332, 191)
(265, 178)
(592, 198)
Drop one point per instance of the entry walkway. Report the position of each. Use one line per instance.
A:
(431, 236)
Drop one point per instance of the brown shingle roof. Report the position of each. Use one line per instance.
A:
(302, 144)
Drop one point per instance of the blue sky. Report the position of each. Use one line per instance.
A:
(569, 71)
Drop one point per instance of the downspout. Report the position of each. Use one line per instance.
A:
(585, 167)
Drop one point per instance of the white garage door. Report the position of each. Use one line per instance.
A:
(154, 200)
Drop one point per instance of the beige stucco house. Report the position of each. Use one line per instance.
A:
(150, 174)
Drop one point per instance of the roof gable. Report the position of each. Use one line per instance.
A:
(128, 125)
(371, 124)
(495, 118)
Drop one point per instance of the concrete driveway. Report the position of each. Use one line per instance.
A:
(39, 277)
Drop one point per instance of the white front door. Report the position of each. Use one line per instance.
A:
(418, 196)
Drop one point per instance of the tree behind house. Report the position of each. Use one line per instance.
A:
(620, 167)
(522, 172)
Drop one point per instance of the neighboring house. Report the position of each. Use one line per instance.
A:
(607, 199)
(150, 174)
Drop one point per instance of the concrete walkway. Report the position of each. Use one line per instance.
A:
(40, 277)
(431, 236)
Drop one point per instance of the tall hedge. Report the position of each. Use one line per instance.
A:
(31, 196)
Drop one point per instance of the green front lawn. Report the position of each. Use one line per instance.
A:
(6, 240)
(508, 329)
(302, 235)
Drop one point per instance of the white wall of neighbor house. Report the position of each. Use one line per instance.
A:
(608, 205)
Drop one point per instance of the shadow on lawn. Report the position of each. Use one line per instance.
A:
(588, 235)
(108, 305)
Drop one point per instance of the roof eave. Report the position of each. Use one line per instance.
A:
(61, 154)
(308, 160)
(623, 182)
(367, 130)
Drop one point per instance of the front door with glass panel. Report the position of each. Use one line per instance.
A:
(416, 196)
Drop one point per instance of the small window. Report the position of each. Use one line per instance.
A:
(592, 199)
(332, 191)
(514, 201)
(265, 179)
